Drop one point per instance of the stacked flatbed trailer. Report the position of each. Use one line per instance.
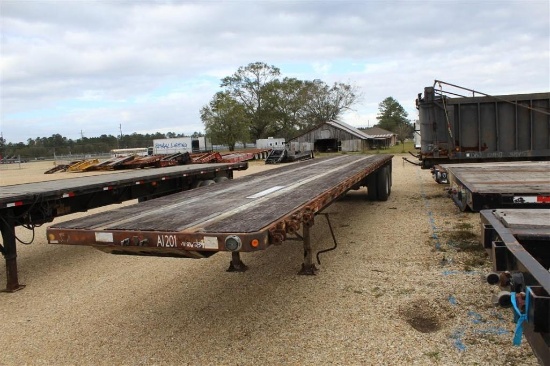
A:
(244, 215)
(33, 204)
(478, 186)
(518, 241)
(513, 199)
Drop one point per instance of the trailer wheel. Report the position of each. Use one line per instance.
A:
(371, 187)
(383, 184)
(220, 179)
(205, 183)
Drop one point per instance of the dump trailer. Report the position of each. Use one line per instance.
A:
(456, 128)
(478, 186)
(248, 214)
(34, 204)
(517, 241)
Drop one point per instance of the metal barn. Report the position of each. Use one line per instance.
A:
(336, 136)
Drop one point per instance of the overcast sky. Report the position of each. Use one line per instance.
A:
(88, 67)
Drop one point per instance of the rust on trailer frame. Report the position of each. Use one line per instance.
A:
(33, 204)
(258, 210)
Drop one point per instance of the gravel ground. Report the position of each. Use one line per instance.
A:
(405, 286)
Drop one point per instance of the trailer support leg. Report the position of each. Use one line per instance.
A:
(308, 267)
(333, 238)
(9, 251)
(236, 264)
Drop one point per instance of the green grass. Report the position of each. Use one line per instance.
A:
(399, 149)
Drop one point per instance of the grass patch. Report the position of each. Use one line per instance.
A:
(464, 240)
(464, 226)
(475, 260)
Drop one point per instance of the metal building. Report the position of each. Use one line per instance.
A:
(339, 136)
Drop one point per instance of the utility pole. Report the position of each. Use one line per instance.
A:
(120, 129)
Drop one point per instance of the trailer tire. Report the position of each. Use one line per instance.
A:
(220, 179)
(383, 189)
(372, 195)
(207, 182)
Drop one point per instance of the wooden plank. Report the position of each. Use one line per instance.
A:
(244, 206)
(501, 178)
(29, 191)
(524, 218)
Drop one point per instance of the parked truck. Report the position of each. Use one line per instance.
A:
(456, 128)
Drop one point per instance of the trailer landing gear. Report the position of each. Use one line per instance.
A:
(9, 251)
(236, 264)
(308, 267)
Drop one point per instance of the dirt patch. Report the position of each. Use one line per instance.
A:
(425, 315)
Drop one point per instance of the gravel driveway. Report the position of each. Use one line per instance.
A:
(405, 286)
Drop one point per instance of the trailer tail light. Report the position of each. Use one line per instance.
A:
(233, 243)
(254, 243)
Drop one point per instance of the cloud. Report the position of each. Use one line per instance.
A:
(92, 65)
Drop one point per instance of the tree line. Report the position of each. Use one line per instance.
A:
(255, 102)
(60, 145)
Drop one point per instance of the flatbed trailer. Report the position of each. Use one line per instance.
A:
(518, 242)
(33, 204)
(245, 215)
(478, 186)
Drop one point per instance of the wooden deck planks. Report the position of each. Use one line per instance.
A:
(524, 218)
(519, 177)
(55, 187)
(247, 205)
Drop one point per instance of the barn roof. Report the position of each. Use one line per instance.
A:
(350, 129)
(342, 126)
(377, 132)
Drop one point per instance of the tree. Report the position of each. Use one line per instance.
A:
(286, 103)
(403, 132)
(224, 120)
(275, 107)
(324, 103)
(391, 115)
(250, 86)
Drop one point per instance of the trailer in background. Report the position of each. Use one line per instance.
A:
(460, 129)
(181, 145)
(34, 204)
(270, 143)
(518, 242)
(478, 186)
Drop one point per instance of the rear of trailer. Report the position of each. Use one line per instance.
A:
(456, 128)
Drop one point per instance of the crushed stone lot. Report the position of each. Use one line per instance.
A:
(405, 286)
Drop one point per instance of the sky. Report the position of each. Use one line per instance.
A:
(88, 68)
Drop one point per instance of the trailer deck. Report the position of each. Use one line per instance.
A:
(478, 186)
(33, 204)
(237, 216)
(518, 242)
